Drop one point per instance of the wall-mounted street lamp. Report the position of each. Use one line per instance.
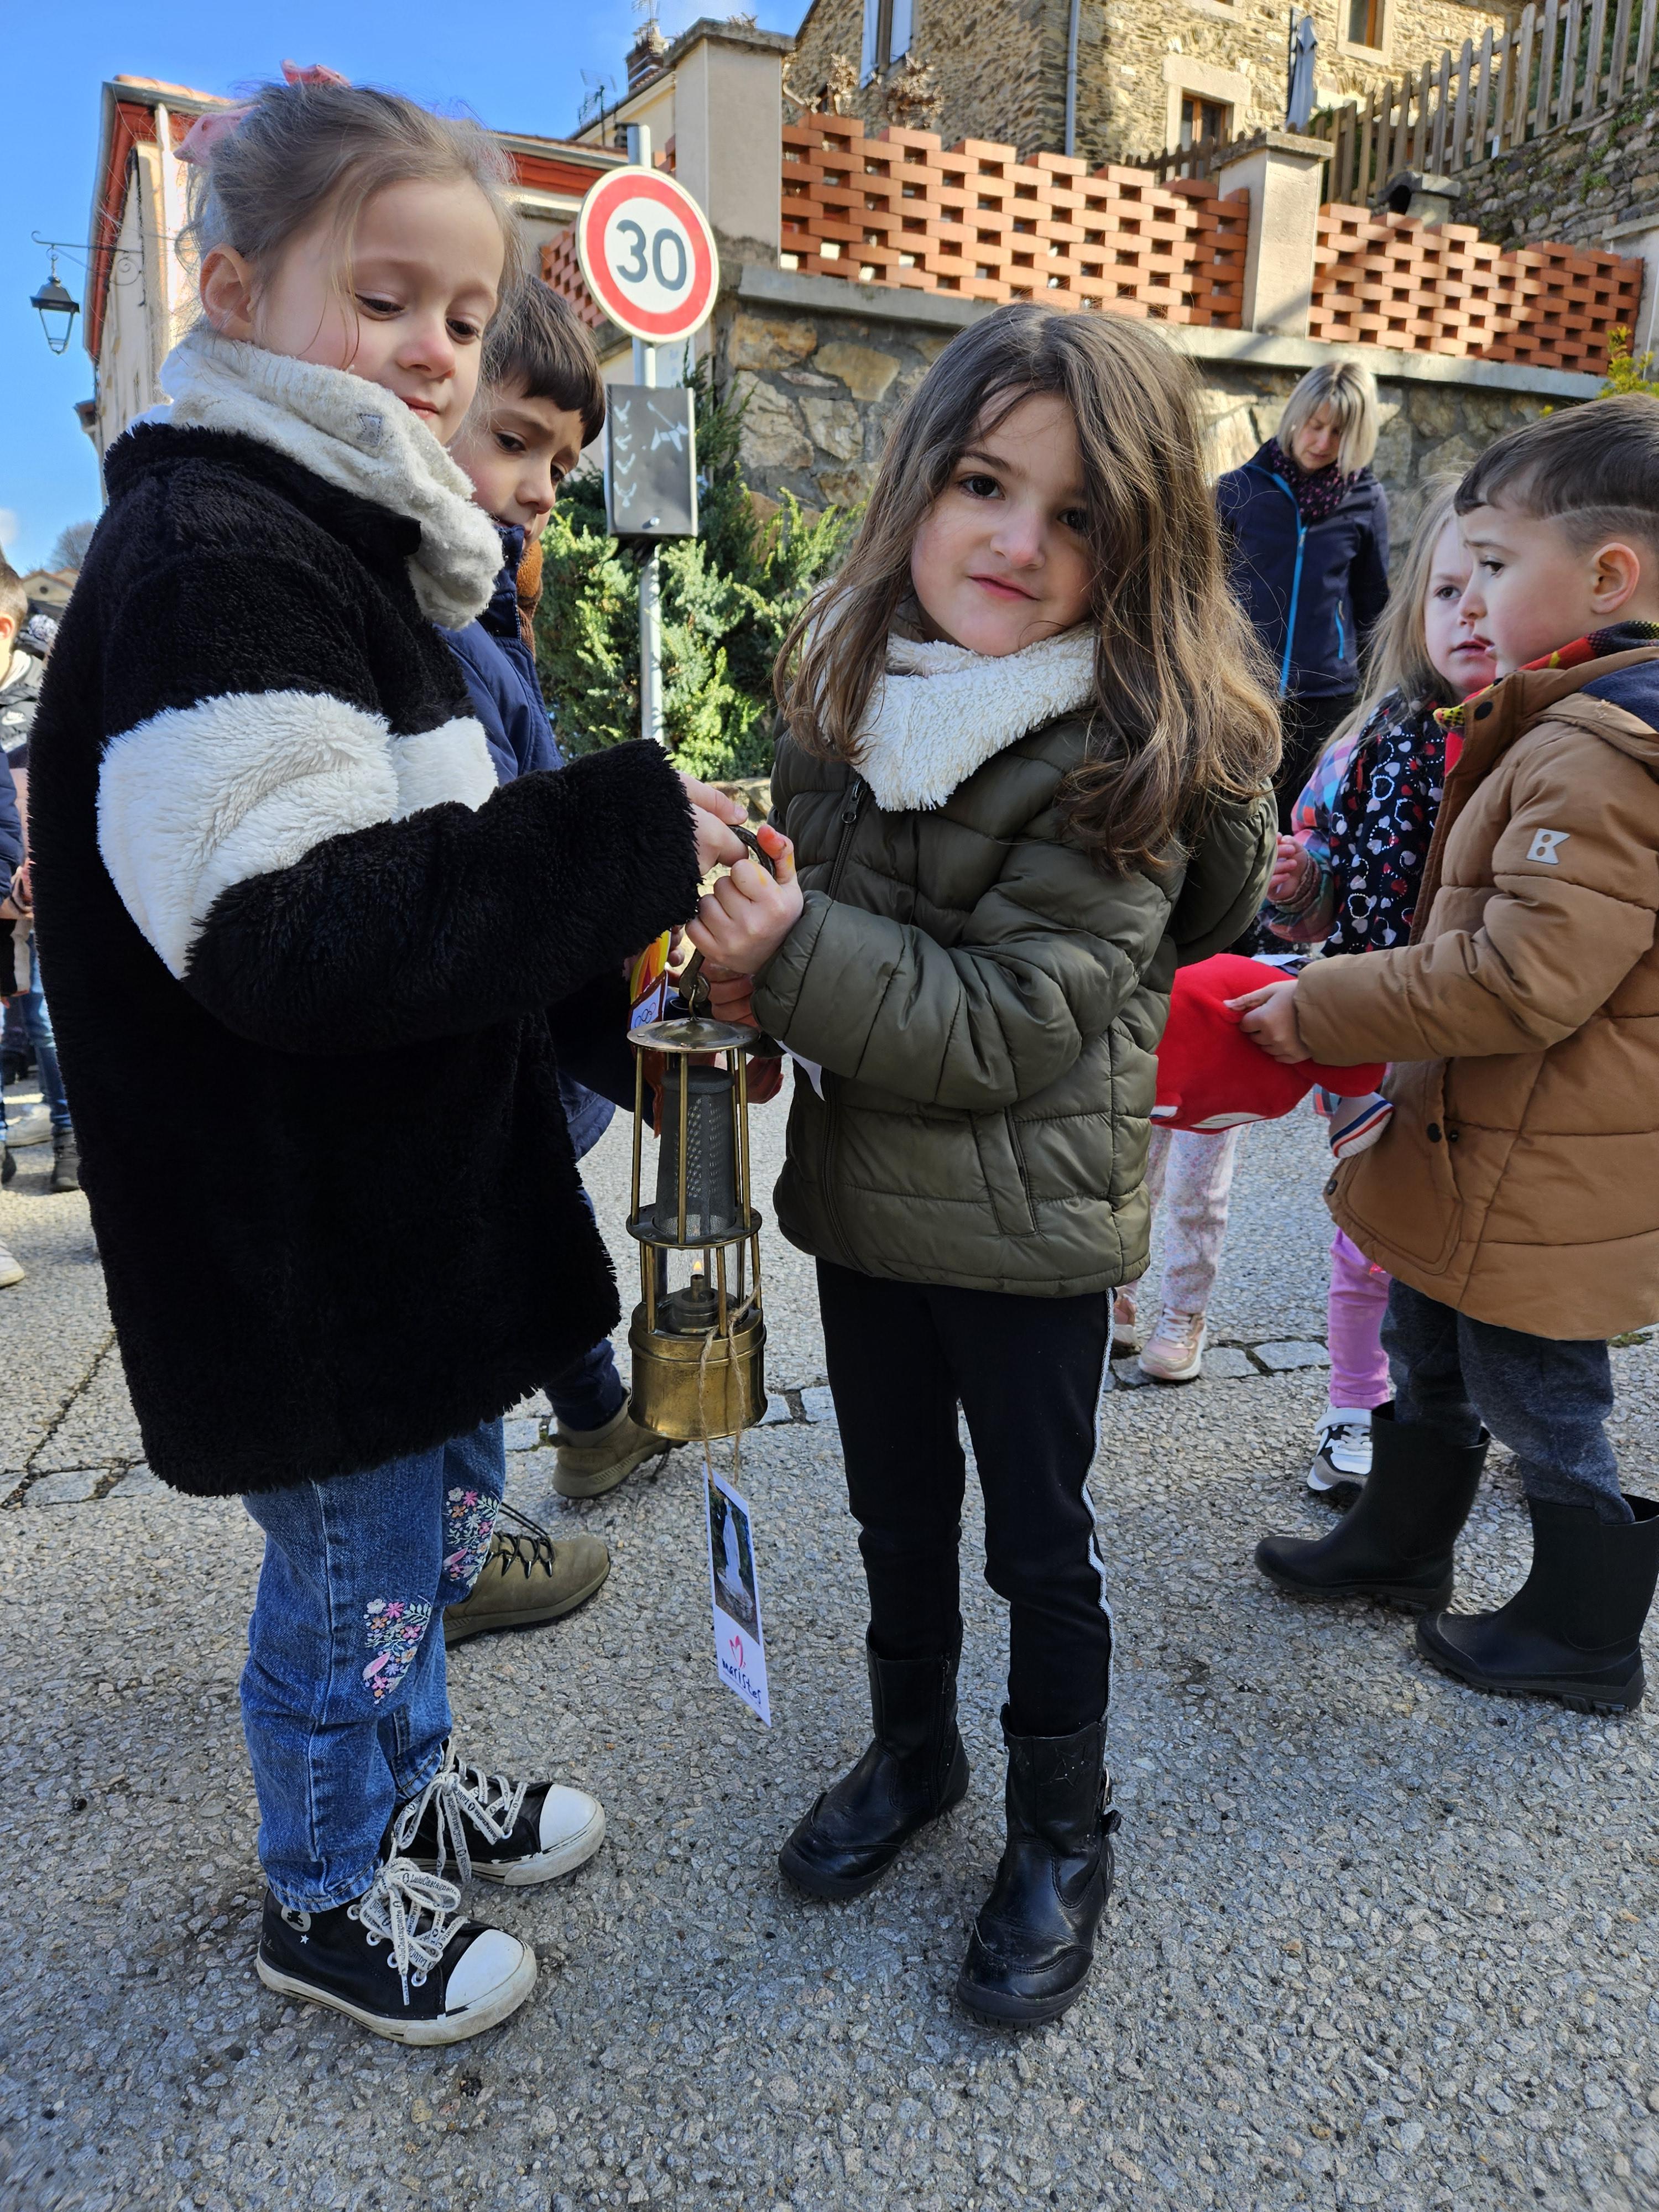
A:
(57, 307)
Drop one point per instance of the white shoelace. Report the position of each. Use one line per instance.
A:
(459, 1794)
(391, 1910)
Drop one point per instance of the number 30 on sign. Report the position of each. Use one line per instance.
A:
(647, 255)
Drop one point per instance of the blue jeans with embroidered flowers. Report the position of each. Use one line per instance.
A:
(345, 1705)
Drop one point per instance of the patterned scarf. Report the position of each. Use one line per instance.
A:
(1316, 496)
(1622, 637)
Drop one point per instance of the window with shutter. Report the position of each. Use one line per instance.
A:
(1202, 118)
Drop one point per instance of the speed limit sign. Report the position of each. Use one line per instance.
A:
(647, 255)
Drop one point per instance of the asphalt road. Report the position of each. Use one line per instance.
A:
(1376, 1941)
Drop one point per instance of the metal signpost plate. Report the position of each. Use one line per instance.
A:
(650, 462)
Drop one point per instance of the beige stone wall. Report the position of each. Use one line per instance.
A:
(1001, 63)
(1135, 61)
(823, 389)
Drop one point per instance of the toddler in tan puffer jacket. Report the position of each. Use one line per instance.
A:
(1514, 1196)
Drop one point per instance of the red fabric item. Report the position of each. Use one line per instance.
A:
(1211, 1075)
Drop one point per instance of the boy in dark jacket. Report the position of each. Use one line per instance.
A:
(540, 402)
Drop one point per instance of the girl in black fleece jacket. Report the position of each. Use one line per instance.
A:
(289, 914)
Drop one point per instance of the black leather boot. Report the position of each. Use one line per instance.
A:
(1573, 1629)
(1395, 1541)
(1033, 1944)
(914, 1770)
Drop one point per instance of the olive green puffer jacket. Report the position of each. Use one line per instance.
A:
(985, 1004)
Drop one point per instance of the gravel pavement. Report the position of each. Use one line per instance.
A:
(1377, 1940)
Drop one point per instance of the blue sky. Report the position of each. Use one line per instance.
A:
(523, 72)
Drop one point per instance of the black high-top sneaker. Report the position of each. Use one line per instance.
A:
(399, 1961)
(517, 1833)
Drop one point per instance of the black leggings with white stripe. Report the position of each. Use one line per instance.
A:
(1027, 1373)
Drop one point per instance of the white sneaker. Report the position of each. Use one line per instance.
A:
(32, 1126)
(1356, 1123)
(1175, 1351)
(1342, 1454)
(517, 1834)
(11, 1270)
(1123, 1324)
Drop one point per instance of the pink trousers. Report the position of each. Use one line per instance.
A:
(1354, 1326)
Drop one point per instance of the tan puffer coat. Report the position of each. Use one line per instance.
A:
(985, 1004)
(1518, 1180)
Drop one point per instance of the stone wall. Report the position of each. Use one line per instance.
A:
(1428, 430)
(823, 387)
(1132, 58)
(1001, 63)
(1576, 185)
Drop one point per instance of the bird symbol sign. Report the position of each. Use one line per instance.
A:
(649, 255)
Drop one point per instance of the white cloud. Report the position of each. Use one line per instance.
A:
(9, 526)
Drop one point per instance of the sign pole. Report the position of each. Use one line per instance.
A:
(645, 373)
(651, 263)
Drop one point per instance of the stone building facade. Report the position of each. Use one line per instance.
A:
(822, 376)
(1148, 77)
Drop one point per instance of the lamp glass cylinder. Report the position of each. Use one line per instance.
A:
(698, 1334)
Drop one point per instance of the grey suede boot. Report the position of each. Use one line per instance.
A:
(593, 1461)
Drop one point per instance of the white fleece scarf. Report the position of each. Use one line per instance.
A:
(354, 434)
(940, 712)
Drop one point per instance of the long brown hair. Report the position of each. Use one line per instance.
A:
(1181, 715)
(1398, 658)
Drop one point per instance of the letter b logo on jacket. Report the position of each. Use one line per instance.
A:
(1543, 846)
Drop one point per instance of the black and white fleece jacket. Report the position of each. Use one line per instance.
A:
(311, 968)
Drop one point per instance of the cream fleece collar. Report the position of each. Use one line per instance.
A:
(940, 712)
(355, 435)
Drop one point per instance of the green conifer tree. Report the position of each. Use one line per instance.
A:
(728, 598)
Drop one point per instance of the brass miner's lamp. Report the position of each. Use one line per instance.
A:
(698, 1345)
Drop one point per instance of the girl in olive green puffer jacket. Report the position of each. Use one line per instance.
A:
(1026, 778)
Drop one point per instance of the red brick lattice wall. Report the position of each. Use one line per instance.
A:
(1394, 280)
(899, 209)
(563, 271)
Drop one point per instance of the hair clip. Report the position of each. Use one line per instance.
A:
(210, 131)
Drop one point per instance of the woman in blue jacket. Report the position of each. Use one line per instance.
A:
(1307, 527)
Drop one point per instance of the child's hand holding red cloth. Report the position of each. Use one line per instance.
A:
(1269, 1020)
(1215, 1070)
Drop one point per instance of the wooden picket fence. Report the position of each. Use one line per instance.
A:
(1567, 62)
